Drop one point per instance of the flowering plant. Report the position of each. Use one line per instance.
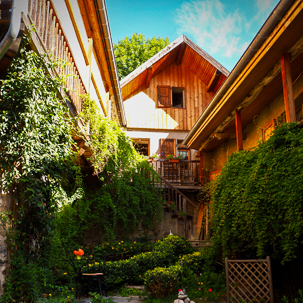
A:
(79, 252)
(155, 156)
(170, 156)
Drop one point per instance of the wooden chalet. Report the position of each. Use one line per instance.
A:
(163, 98)
(265, 87)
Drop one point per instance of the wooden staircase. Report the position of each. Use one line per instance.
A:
(174, 201)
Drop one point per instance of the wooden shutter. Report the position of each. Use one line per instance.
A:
(167, 146)
(164, 96)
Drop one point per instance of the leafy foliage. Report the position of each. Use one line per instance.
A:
(257, 199)
(132, 52)
(166, 252)
(36, 160)
(112, 151)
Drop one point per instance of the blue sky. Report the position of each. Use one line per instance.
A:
(224, 29)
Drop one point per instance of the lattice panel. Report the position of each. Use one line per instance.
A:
(249, 280)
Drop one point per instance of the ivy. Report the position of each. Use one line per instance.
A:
(37, 164)
(257, 199)
(112, 150)
(54, 205)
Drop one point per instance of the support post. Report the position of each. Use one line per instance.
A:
(289, 102)
(201, 168)
(239, 130)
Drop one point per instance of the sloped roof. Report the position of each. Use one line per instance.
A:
(256, 79)
(181, 50)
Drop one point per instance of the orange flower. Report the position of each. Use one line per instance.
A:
(79, 252)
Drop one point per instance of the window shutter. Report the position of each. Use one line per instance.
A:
(167, 146)
(164, 96)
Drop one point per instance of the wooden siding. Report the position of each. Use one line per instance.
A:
(192, 60)
(141, 106)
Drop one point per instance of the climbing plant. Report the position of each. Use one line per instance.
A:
(37, 163)
(122, 198)
(112, 151)
(258, 201)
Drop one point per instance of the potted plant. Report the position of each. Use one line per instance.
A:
(173, 158)
(154, 156)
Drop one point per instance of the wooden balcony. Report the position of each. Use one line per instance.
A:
(50, 38)
(182, 173)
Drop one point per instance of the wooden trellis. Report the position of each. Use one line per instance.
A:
(249, 281)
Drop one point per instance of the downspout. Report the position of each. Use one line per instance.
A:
(110, 57)
(14, 27)
(261, 36)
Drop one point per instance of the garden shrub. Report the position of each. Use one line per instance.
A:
(119, 250)
(161, 281)
(132, 270)
(199, 273)
(174, 245)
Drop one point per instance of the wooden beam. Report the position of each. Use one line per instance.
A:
(181, 53)
(148, 76)
(239, 129)
(205, 143)
(201, 168)
(213, 81)
(288, 93)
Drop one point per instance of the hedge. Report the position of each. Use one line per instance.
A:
(166, 252)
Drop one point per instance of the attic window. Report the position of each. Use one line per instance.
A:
(171, 96)
(178, 97)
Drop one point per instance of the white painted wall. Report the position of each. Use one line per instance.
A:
(69, 31)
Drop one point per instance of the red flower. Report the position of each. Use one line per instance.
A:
(79, 252)
(210, 290)
(171, 202)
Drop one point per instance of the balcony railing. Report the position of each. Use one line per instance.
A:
(52, 39)
(182, 172)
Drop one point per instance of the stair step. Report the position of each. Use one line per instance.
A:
(5, 5)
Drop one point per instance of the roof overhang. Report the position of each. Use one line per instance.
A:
(97, 26)
(257, 70)
(174, 52)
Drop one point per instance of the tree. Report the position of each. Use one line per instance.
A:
(132, 52)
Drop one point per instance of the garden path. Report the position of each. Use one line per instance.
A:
(117, 299)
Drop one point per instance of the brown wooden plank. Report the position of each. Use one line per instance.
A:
(238, 122)
(181, 52)
(289, 102)
(148, 77)
(213, 81)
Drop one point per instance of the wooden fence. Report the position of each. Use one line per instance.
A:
(249, 281)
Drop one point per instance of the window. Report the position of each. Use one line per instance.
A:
(167, 146)
(171, 96)
(178, 97)
(141, 146)
(267, 131)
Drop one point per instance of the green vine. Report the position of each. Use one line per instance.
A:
(54, 204)
(37, 162)
(257, 199)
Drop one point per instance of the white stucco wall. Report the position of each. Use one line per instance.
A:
(69, 31)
